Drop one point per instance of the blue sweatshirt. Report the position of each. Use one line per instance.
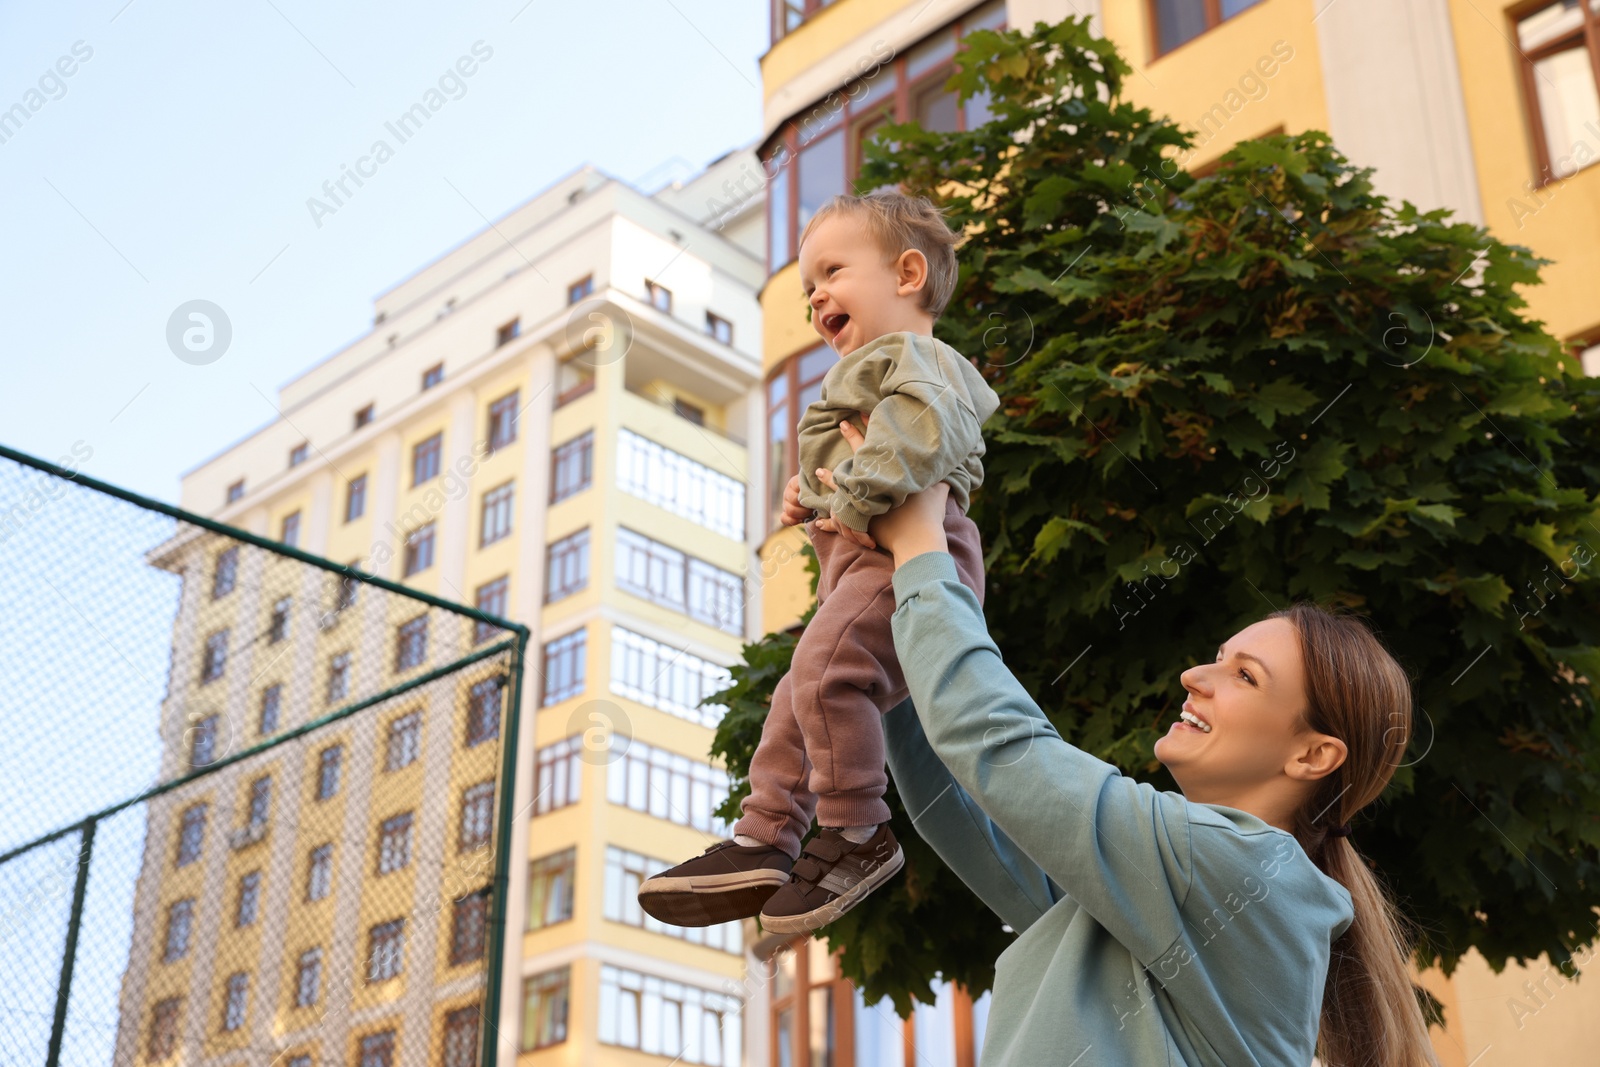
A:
(1151, 930)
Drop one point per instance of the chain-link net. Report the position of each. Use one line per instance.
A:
(251, 798)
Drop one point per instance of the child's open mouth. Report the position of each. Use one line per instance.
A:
(835, 322)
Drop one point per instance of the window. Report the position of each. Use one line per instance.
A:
(319, 872)
(249, 899)
(663, 575)
(678, 484)
(226, 572)
(191, 834)
(425, 459)
(364, 416)
(302, 1059)
(503, 421)
(668, 786)
(1178, 21)
(460, 1045)
(580, 289)
(236, 491)
(564, 667)
(666, 1018)
(278, 624)
(411, 644)
(817, 154)
(544, 1008)
(557, 775)
(719, 328)
(394, 843)
(308, 978)
(405, 741)
(796, 385)
(483, 712)
(385, 947)
(477, 817)
(788, 15)
(508, 333)
(469, 923)
(491, 598)
(685, 410)
(203, 742)
(180, 917)
(260, 800)
(338, 677)
(625, 872)
(1560, 48)
(328, 771)
(297, 454)
(572, 467)
(665, 677)
(494, 520)
(214, 660)
(551, 881)
(291, 530)
(567, 566)
(355, 498)
(419, 550)
(236, 1000)
(344, 594)
(432, 376)
(271, 705)
(163, 1039)
(659, 296)
(575, 374)
(377, 1050)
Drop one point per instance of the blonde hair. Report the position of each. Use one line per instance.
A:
(1357, 691)
(899, 223)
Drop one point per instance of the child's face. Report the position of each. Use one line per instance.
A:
(857, 292)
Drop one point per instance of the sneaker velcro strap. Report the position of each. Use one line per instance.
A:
(826, 848)
(807, 870)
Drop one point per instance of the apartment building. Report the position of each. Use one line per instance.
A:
(1489, 109)
(551, 421)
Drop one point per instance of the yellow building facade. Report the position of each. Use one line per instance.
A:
(1487, 109)
(550, 422)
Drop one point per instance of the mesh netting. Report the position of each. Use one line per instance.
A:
(250, 797)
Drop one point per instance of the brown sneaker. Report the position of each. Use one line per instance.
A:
(833, 875)
(727, 881)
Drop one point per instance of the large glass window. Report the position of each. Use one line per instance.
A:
(625, 872)
(666, 1018)
(667, 786)
(1560, 46)
(544, 1008)
(550, 888)
(664, 677)
(671, 480)
(818, 153)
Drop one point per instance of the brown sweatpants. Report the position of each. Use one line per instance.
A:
(821, 749)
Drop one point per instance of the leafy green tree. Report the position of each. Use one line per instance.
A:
(1221, 395)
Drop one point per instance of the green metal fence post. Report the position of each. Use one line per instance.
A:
(80, 889)
(489, 1035)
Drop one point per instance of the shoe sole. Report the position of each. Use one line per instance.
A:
(708, 899)
(817, 918)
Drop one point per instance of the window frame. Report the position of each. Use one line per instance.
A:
(1213, 17)
(249, 889)
(432, 377)
(428, 454)
(419, 550)
(1588, 37)
(411, 644)
(547, 982)
(330, 756)
(313, 865)
(502, 426)
(581, 446)
(508, 332)
(355, 498)
(469, 923)
(564, 555)
(469, 817)
(586, 283)
(492, 598)
(552, 866)
(497, 504)
(476, 731)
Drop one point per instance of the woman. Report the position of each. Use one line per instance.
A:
(1226, 925)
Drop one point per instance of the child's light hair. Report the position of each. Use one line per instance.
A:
(898, 223)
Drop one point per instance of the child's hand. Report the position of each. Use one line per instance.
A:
(793, 513)
(825, 476)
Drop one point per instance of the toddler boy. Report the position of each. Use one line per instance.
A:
(877, 271)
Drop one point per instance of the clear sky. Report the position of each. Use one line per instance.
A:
(175, 161)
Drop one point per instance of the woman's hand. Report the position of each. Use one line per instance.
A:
(915, 527)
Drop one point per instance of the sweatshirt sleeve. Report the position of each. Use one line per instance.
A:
(916, 436)
(1004, 878)
(1121, 849)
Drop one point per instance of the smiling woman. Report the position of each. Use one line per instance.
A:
(1302, 720)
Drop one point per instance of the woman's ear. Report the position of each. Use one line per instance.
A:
(911, 271)
(1318, 756)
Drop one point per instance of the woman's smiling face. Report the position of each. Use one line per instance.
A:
(1251, 702)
